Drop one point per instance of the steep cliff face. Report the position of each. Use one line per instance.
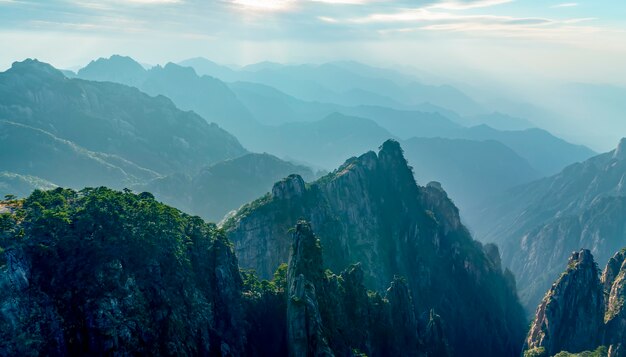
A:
(614, 281)
(334, 315)
(571, 314)
(582, 311)
(371, 211)
(305, 275)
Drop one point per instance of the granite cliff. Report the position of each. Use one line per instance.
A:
(583, 311)
(371, 211)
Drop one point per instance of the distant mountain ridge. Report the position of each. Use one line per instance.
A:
(538, 224)
(225, 186)
(207, 96)
(346, 85)
(113, 119)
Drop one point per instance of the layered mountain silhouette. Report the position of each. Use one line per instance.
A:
(225, 186)
(346, 84)
(205, 95)
(112, 119)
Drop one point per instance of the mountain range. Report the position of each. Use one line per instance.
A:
(103, 271)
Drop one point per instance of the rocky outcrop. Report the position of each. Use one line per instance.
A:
(370, 210)
(305, 327)
(620, 152)
(288, 188)
(571, 314)
(330, 314)
(582, 312)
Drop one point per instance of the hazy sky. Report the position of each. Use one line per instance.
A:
(581, 40)
(513, 49)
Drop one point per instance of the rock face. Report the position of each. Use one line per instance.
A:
(305, 327)
(371, 211)
(582, 311)
(330, 315)
(537, 225)
(572, 312)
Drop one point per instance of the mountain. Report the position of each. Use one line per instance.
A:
(21, 185)
(330, 314)
(546, 153)
(207, 96)
(273, 107)
(225, 186)
(100, 272)
(539, 223)
(105, 272)
(471, 171)
(205, 67)
(29, 151)
(371, 211)
(112, 119)
(582, 311)
(347, 84)
(321, 143)
(499, 121)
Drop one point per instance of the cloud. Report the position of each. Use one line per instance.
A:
(566, 4)
(264, 5)
(468, 4)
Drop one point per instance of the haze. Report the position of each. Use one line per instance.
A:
(503, 53)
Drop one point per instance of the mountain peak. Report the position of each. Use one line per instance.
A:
(34, 66)
(116, 68)
(392, 148)
(620, 152)
(572, 311)
(289, 187)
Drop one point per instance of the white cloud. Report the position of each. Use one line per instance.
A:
(264, 5)
(566, 4)
(465, 5)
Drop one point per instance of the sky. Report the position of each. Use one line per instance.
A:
(580, 40)
(513, 46)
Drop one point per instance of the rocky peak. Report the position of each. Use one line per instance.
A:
(613, 268)
(116, 68)
(620, 152)
(434, 336)
(582, 258)
(304, 278)
(306, 255)
(288, 188)
(391, 149)
(572, 312)
(435, 186)
(33, 67)
(403, 320)
(614, 281)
